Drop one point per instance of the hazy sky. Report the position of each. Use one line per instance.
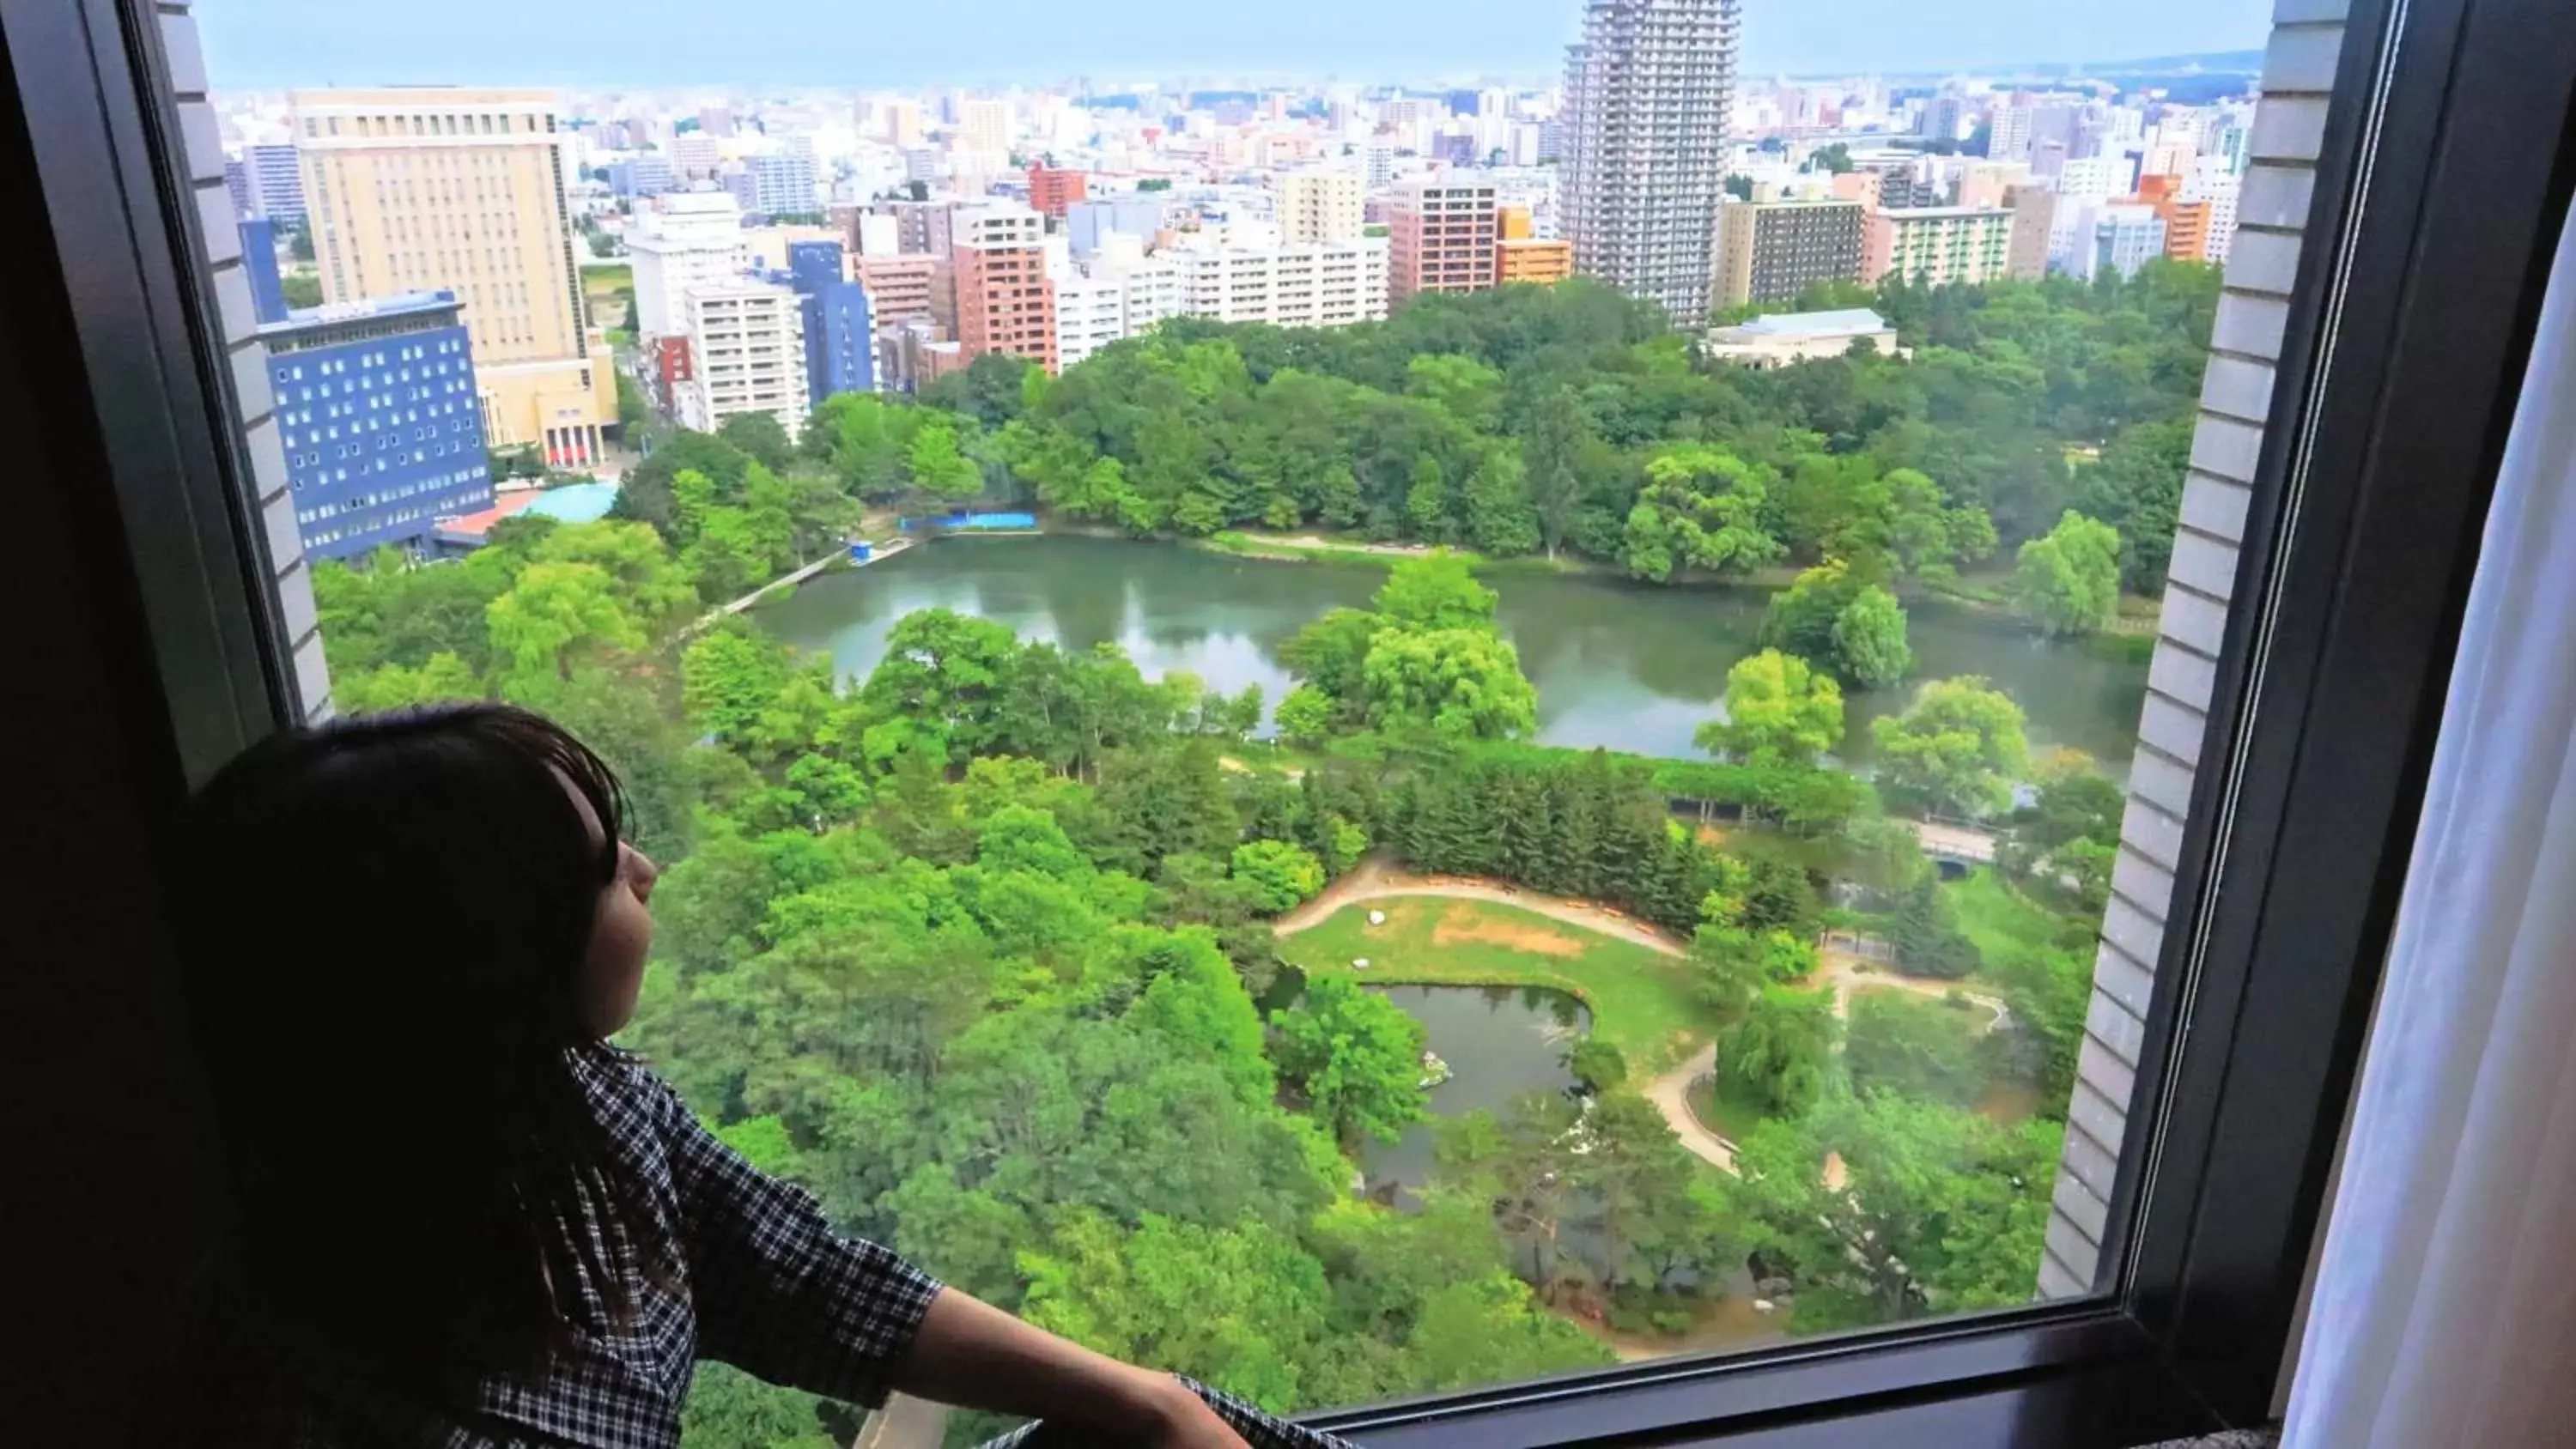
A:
(263, 43)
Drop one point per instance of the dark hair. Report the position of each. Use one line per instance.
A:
(383, 922)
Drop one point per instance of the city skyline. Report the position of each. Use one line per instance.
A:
(264, 44)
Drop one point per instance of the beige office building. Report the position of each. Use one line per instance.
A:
(461, 189)
(1321, 206)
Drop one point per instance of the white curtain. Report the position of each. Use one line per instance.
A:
(2445, 1303)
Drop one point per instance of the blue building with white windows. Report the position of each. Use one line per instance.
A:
(840, 335)
(381, 421)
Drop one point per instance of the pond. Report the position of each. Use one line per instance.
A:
(1627, 666)
(1501, 1043)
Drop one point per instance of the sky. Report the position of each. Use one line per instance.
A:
(256, 44)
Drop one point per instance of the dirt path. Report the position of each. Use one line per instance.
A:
(1671, 1095)
(1847, 974)
(1376, 880)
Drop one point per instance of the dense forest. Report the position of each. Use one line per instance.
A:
(978, 948)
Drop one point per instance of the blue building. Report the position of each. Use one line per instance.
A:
(840, 335)
(648, 174)
(1089, 221)
(782, 185)
(276, 183)
(381, 421)
(259, 262)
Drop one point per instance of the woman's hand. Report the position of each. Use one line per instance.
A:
(1180, 1419)
(975, 1355)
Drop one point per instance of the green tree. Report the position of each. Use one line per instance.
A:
(1928, 939)
(1305, 716)
(301, 289)
(1780, 713)
(760, 436)
(1869, 639)
(1281, 876)
(1437, 590)
(2069, 581)
(1455, 684)
(1355, 1056)
(1243, 1305)
(1499, 519)
(1831, 616)
(936, 464)
(729, 1409)
(1597, 1064)
(1958, 747)
(1936, 1211)
(556, 614)
(1783, 1048)
(1700, 508)
(1922, 1049)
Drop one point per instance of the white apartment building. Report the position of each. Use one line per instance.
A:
(2116, 236)
(1647, 98)
(746, 355)
(696, 155)
(692, 239)
(2213, 180)
(1111, 298)
(1090, 313)
(1312, 284)
(1321, 206)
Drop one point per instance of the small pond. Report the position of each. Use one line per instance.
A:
(1501, 1042)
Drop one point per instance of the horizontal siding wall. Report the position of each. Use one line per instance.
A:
(2235, 402)
(247, 354)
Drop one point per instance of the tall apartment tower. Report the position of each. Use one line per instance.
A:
(1644, 156)
(1004, 302)
(445, 188)
(1442, 238)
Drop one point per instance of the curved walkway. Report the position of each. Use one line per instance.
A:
(1376, 880)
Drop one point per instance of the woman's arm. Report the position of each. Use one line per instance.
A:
(973, 1354)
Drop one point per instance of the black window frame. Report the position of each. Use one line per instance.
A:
(2442, 183)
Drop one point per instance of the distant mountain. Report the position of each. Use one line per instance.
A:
(2201, 63)
(2207, 62)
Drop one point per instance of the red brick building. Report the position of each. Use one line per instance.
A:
(1051, 191)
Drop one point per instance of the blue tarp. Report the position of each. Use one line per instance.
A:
(976, 522)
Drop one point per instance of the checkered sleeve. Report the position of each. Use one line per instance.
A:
(1259, 1430)
(777, 1292)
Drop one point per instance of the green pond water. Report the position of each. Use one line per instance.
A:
(1632, 667)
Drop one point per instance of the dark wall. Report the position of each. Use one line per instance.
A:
(106, 1181)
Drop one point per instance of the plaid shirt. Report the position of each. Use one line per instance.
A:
(754, 1277)
(757, 1279)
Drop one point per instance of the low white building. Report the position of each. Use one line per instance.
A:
(1314, 284)
(1104, 300)
(1780, 338)
(746, 355)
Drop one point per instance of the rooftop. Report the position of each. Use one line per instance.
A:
(373, 309)
(572, 503)
(1848, 322)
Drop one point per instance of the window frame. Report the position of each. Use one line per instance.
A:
(2436, 206)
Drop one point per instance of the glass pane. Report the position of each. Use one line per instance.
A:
(1358, 738)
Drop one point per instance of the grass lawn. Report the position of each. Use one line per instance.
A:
(1643, 1002)
(2004, 925)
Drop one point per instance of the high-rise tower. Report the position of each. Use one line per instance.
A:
(1647, 93)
